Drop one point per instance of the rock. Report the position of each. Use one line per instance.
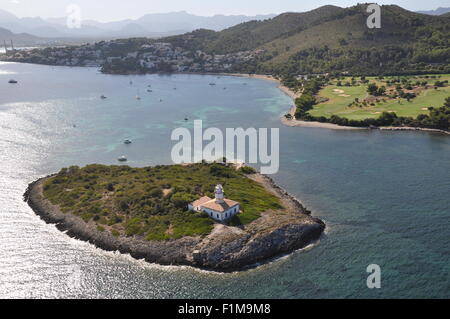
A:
(225, 249)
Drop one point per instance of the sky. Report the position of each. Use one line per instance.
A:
(113, 10)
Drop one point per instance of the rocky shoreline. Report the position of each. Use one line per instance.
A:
(225, 249)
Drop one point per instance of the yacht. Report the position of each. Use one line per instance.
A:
(122, 159)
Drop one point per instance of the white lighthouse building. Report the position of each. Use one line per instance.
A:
(219, 208)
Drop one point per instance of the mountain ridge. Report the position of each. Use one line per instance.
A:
(152, 25)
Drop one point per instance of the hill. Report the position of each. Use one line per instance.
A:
(329, 39)
(22, 38)
(333, 39)
(437, 12)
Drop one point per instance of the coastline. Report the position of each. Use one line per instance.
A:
(294, 95)
(297, 123)
(225, 249)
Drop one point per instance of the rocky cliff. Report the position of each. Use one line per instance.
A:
(224, 249)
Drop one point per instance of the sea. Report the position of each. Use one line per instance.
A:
(385, 196)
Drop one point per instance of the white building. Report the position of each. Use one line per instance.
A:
(219, 208)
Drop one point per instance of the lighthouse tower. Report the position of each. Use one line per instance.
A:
(219, 194)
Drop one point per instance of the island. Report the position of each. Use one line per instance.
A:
(164, 214)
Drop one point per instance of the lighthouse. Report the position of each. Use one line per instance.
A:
(219, 208)
(219, 194)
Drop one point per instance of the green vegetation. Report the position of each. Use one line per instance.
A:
(381, 101)
(356, 103)
(333, 40)
(327, 40)
(152, 202)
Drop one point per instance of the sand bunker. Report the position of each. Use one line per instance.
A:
(344, 95)
(338, 91)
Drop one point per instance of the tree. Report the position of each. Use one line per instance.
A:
(372, 89)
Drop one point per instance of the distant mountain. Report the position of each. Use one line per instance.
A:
(21, 39)
(437, 12)
(149, 25)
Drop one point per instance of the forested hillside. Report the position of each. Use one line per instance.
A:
(333, 39)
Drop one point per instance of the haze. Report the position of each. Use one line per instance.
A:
(112, 10)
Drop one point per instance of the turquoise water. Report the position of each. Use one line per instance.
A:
(384, 195)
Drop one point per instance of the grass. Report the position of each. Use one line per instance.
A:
(152, 202)
(338, 103)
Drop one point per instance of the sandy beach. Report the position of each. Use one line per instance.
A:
(296, 123)
(293, 95)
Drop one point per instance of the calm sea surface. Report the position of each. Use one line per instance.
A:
(385, 196)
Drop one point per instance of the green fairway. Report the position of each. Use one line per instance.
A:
(341, 96)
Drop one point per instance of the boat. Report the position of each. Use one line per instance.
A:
(12, 81)
(186, 119)
(127, 142)
(138, 97)
(122, 159)
(212, 83)
(149, 91)
(103, 97)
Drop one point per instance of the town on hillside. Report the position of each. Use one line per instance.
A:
(117, 57)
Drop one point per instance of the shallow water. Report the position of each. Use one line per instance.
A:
(384, 195)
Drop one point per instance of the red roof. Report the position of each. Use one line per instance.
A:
(201, 201)
(220, 207)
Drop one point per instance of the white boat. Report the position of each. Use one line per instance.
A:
(122, 159)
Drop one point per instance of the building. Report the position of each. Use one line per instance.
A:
(219, 208)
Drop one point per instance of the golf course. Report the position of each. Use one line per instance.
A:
(349, 98)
